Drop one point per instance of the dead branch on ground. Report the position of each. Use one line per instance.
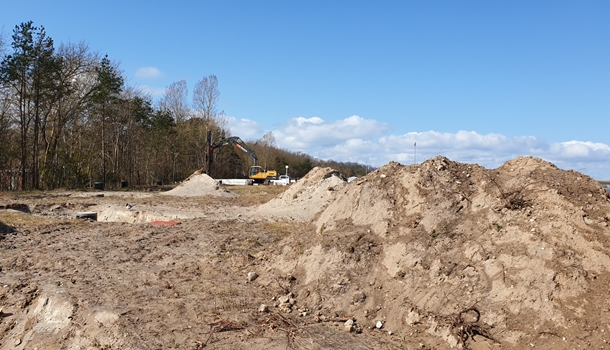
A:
(467, 329)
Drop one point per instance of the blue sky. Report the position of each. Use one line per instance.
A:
(477, 81)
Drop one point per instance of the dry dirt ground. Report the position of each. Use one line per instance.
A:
(437, 255)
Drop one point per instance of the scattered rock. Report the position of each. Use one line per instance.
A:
(413, 318)
(252, 276)
(285, 303)
(358, 297)
(349, 325)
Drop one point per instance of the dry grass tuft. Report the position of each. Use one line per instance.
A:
(18, 219)
(254, 195)
(282, 227)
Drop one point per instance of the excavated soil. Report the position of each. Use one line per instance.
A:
(438, 255)
(199, 184)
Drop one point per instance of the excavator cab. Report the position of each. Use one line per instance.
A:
(255, 170)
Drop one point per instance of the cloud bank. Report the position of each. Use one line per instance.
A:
(368, 141)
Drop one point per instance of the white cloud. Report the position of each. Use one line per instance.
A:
(371, 142)
(300, 134)
(367, 141)
(148, 73)
(580, 150)
(469, 140)
(313, 120)
(246, 129)
(490, 150)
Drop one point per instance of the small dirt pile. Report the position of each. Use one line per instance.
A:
(199, 184)
(307, 197)
(513, 256)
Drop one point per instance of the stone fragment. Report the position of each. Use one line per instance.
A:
(358, 297)
(252, 276)
(285, 303)
(349, 325)
(412, 318)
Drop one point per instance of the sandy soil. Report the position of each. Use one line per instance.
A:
(438, 255)
(197, 185)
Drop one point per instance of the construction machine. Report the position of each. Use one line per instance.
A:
(257, 172)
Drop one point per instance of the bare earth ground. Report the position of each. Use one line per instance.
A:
(438, 255)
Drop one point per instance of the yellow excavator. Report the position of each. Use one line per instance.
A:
(257, 172)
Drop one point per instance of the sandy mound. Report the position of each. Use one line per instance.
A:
(515, 255)
(118, 213)
(199, 184)
(307, 197)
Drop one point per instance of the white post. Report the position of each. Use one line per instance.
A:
(286, 170)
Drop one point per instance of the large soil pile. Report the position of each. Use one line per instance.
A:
(199, 184)
(517, 255)
(307, 197)
(438, 255)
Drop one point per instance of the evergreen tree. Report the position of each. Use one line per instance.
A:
(28, 72)
(106, 94)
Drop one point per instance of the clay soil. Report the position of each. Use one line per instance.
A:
(437, 255)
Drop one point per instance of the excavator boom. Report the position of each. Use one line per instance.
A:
(257, 173)
(236, 141)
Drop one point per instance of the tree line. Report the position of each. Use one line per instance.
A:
(68, 120)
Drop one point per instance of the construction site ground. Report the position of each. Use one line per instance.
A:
(438, 255)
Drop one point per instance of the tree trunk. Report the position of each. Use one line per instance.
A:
(103, 145)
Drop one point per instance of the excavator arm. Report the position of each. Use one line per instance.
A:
(257, 173)
(237, 142)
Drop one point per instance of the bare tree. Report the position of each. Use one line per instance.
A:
(205, 98)
(267, 145)
(175, 101)
(268, 139)
(69, 135)
(9, 150)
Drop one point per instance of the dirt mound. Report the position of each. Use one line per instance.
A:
(514, 255)
(199, 184)
(438, 255)
(307, 197)
(141, 214)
